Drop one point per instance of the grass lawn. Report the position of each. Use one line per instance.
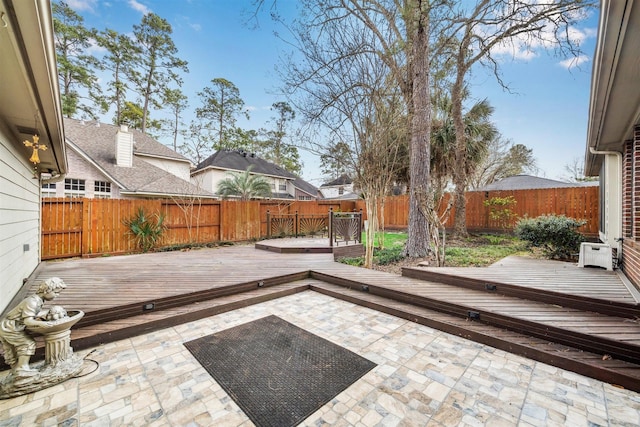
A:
(476, 250)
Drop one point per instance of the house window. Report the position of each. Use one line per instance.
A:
(305, 198)
(102, 190)
(49, 189)
(273, 186)
(74, 187)
(341, 191)
(282, 187)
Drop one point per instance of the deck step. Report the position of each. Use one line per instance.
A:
(588, 331)
(121, 328)
(96, 317)
(580, 302)
(617, 372)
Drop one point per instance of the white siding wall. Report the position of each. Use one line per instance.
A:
(180, 169)
(209, 180)
(19, 220)
(334, 191)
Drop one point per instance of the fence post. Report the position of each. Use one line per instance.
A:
(268, 223)
(331, 227)
(296, 224)
(85, 247)
(360, 228)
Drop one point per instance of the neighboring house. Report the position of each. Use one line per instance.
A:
(284, 184)
(339, 188)
(613, 134)
(529, 182)
(29, 105)
(107, 161)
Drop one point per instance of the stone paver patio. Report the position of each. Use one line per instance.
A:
(424, 377)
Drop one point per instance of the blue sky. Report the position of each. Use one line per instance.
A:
(547, 110)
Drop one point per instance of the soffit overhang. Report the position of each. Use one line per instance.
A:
(29, 93)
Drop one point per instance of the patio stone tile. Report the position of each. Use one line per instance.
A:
(424, 377)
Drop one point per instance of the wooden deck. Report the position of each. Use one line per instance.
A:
(128, 295)
(555, 276)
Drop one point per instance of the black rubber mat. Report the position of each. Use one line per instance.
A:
(278, 373)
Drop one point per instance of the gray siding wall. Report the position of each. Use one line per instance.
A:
(19, 219)
(79, 168)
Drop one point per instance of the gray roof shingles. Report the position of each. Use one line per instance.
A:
(527, 182)
(341, 180)
(239, 161)
(98, 142)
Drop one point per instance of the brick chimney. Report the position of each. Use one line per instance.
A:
(124, 147)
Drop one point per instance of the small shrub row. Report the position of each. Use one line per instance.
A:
(556, 235)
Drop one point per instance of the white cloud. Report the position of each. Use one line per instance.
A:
(516, 49)
(251, 108)
(570, 63)
(196, 27)
(139, 7)
(77, 5)
(95, 48)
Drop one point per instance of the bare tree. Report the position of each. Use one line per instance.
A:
(503, 159)
(474, 36)
(197, 142)
(575, 171)
(400, 34)
(342, 86)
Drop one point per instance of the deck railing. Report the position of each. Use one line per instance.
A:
(345, 227)
(296, 224)
(338, 226)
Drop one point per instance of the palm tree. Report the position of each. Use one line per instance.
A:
(479, 132)
(244, 185)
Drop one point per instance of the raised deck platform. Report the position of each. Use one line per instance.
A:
(311, 245)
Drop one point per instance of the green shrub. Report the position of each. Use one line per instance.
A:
(356, 262)
(146, 230)
(500, 210)
(556, 235)
(388, 255)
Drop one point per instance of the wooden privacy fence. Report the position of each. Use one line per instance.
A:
(94, 227)
(574, 202)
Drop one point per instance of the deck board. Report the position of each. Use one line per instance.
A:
(108, 286)
(554, 276)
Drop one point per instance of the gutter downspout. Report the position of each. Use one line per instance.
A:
(619, 190)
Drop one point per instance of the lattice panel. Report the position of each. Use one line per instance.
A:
(312, 226)
(346, 229)
(282, 226)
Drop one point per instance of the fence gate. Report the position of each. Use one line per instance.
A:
(345, 227)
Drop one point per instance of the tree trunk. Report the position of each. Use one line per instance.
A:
(371, 202)
(418, 228)
(460, 167)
